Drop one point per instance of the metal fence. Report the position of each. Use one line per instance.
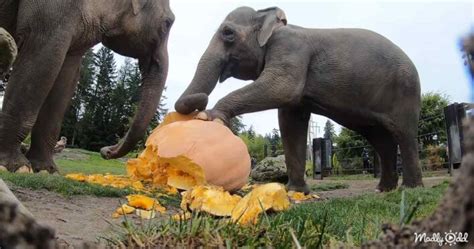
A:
(433, 151)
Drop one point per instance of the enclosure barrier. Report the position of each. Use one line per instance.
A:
(439, 148)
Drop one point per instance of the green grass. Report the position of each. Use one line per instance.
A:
(328, 186)
(313, 225)
(61, 185)
(92, 163)
(88, 163)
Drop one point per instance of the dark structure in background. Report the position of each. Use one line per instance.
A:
(322, 157)
(454, 114)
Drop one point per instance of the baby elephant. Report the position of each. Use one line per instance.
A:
(356, 77)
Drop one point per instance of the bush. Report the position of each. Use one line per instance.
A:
(434, 158)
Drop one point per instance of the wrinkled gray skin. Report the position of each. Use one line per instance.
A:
(353, 76)
(52, 36)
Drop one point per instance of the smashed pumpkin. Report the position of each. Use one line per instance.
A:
(142, 202)
(298, 197)
(262, 198)
(210, 199)
(123, 210)
(184, 154)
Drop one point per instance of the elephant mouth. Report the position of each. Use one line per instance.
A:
(229, 69)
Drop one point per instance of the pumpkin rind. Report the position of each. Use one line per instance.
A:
(210, 199)
(260, 199)
(184, 154)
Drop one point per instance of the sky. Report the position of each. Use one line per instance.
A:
(428, 31)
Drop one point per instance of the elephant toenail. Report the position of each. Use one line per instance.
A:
(218, 120)
(24, 169)
(201, 116)
(43, 172)
(3, 168)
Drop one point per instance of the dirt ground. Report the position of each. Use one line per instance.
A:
(358, 187)
(81, 219)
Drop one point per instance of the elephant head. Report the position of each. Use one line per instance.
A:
(236, 50)
(144, 35)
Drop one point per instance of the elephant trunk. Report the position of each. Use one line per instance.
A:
(195, 97)
(154, 71)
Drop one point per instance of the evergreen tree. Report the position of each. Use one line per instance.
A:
(97, 127)
(329, 132)
(236, 125)
(251, 133)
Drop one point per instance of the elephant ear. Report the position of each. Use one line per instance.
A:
(137, 6)
(271, 18)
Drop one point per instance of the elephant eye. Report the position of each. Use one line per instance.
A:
(228, 34)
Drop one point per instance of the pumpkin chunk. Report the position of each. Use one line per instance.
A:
(124, 209)
(210, 199)
(145, 214)
(262, 198)
(182, 217)
(142, 202)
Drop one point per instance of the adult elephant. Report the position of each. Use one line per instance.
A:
(356, 77)
(52, 37)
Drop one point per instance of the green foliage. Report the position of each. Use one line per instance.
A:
(336, 165)
(276, 145)
(90, 163)
(255, 144)
(105, 102)
(59, 184)
(349, 148)
(312, 225)
(431, 127)
(236, 125)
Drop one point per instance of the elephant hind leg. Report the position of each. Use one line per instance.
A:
(294, 128)
(386, 149)
(412, 176)
(46, 130)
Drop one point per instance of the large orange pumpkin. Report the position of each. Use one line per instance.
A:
(184, 154)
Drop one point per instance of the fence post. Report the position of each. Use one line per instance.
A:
(454, 114)
(317, 166)
(322, 157)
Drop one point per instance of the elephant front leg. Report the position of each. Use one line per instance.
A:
(294, 129)
(35, 70)
(48, 125)
(275, 88)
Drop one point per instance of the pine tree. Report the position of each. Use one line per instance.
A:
(97, 127)
(236, 125)
(329, 132)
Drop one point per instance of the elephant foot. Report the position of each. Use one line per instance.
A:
(412, 183)
(43, 166)
(298, 187)
(14, 162)
(385, 186)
